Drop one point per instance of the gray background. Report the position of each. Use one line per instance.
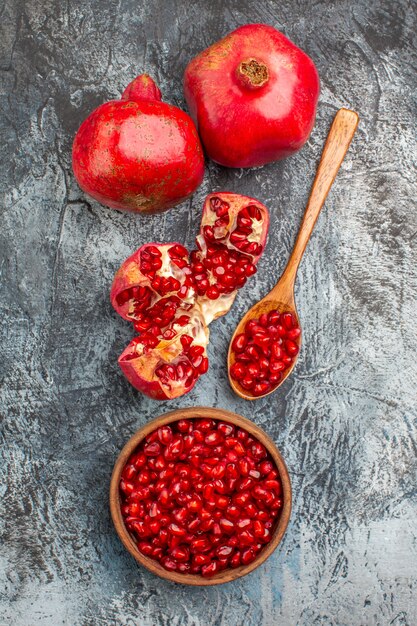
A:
(345, 421)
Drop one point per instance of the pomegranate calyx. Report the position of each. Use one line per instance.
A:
(252, 74)
(143, 87)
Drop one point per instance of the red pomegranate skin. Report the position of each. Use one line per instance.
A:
(137, 153)
(253, 96)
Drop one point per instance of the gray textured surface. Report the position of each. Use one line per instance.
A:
(345, 421)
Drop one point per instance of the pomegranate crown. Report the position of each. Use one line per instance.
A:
(143, 87)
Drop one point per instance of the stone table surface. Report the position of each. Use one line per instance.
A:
(346, 419)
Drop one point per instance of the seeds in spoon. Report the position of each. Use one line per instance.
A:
(266, 348)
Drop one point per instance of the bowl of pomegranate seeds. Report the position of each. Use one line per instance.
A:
(200, 496)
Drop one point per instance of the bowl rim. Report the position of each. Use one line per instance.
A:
(228, 574)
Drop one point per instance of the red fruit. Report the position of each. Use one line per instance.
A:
(128, 152)
(253, 95)
(162, 290)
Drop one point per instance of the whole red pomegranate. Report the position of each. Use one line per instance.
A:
(138, 153)
(253, 96)
(171, 295)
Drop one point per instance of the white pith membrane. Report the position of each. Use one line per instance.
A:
(159, 355)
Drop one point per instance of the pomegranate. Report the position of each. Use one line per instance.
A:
(200, 496)
(264, 350)
(253, 96)
(138, 153)
(171, 295)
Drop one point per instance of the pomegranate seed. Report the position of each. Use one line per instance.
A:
(261, 388)
(227, 525)
(204, 365)
(184, 426)
(291, 347)
(213, 439)
(178, 251)
(165, 434)
(237, 371)
(287, 320)
(152, 449)
(210, 569)
(201, 559)
(248, 556)
(200, 545)
(253, 370)
(294, 333)
(239, 343)
(263, 320)
(281, 330)
(212, 292)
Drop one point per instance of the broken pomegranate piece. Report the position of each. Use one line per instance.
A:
(232, 237)
(171, 296)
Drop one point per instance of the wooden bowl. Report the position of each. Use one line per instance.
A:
(154, 566)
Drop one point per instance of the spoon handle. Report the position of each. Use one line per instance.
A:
(337, 143)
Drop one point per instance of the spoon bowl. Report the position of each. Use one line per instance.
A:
(281, 297)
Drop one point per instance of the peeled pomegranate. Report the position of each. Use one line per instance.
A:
(201, 496)
(253, 96)
(138, 153)
(171, 295)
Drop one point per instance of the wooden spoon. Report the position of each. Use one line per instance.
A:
(281, 297)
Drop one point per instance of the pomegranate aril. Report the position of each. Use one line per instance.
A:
(274, 379)
(252, 352)
(287, 320)
(210, 569)
(127, 487)
(241, 499)
(261, 340)
(294, 333)
(213, 439)
(178, 251)
(180, 554)
(261, 388)
(276, 350)
(169, 563)
(281, 330)
(244, 523)
(251, 510)
(250, 270)
(212, 292)
(237, 371)
(233, 512)
(145, 547)
(274, 485)
(201, 559)
(227, 525)
(291, 347)
(247, 382)
(200, 545)
(248, 556)
(239, 343)
(184, 426)
(152, 449)
(253, 370)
